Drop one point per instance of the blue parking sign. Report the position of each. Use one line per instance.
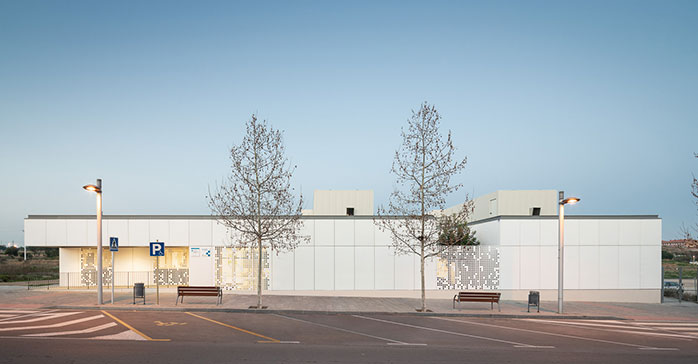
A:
(113, 244)
(157, 249)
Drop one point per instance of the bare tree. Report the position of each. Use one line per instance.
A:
(423, 167)
(257, 199)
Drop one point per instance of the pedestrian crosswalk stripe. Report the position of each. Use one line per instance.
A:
(74, 332)
(60, 324)
(41, 317)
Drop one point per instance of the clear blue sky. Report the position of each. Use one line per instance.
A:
(595, 98)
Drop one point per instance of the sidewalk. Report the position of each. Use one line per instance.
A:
(20, 297)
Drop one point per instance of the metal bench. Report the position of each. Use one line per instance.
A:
(491, 297)
(199, 291)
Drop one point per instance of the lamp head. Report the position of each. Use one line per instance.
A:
(570, 201)
(92, 188)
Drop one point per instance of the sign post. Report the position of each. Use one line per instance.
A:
(157, 249)
(113, 247)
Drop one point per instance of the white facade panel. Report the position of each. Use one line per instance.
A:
(572, 267)
(588, 232)
(383, 238)
(221, 235)
(572, 232)
(429, 273)
(630, 232)
(160, 231)
(304, 272)
(509, 267)
(629, 267)
(282, 269)
(179, 233)
(56, 232)
(530, 232)
(651, 233)
(589, 260)
(509, 232)
(548, 267)
(324, 232)
(650, 271)
(608, 267)
(344, 232)
(404, 271)
(92, 233)
(530, 267)
(201, 267)
(115, 228)
(35, 232)
(549, 232)
(365, 268)
(200, 232)
(385, 268)
(324, 268)
(364, 232)
(343, 268)
(308, 230)
(76, 234)
(609, 232)
(487, 233)
(138, 232)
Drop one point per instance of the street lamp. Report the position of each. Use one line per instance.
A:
(561, 245)
(98, 188)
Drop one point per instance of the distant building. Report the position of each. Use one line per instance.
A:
(607, 258)
(681, 243)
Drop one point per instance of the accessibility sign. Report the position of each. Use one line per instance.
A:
(113, 244)
(157, 249)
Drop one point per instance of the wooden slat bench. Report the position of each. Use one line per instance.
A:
(491, 297)
(199, 291)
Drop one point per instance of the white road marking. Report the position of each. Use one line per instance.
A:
(124, 335)
(40, 317)
(663, 349)
(663, 323)
(85, 331)
(394, 342)
(593, 325)
(17, 311)
(60, 324)
(545, 333)
(515, 344)
(676, 328)
(27, 315)
(654, 333)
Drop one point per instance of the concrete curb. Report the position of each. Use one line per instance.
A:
(242, 310)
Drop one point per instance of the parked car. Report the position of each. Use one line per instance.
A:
(672, 285)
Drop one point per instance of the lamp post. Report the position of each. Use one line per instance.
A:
(98, 189)
(561, 245)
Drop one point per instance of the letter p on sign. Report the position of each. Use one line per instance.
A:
(157, 249)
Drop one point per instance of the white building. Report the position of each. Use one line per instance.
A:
(607, 258)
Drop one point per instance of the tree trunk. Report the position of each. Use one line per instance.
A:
(424, 294)
(259, 274)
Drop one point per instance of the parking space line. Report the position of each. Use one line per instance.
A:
(268, 339)
(642, 347)
(390, 341)
(133, 328)
(515, 344)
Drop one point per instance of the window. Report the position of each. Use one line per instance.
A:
(350, 211)
(535, 211)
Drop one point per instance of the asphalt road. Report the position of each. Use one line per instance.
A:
(57, 336)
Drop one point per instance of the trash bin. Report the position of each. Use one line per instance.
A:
(138, 292)
(533, 300)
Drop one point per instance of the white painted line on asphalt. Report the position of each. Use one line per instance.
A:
(27, 315)
(60, 324)
(406, 344)
(279, 342)
(544, 333)
(17, 311)
(85, 331)
(654, 333)
(41, 317)
(515, 344)
(124, 335)
(394, 342)
(672, 324)
(575, 323)
(662, 349)
(674, 328)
